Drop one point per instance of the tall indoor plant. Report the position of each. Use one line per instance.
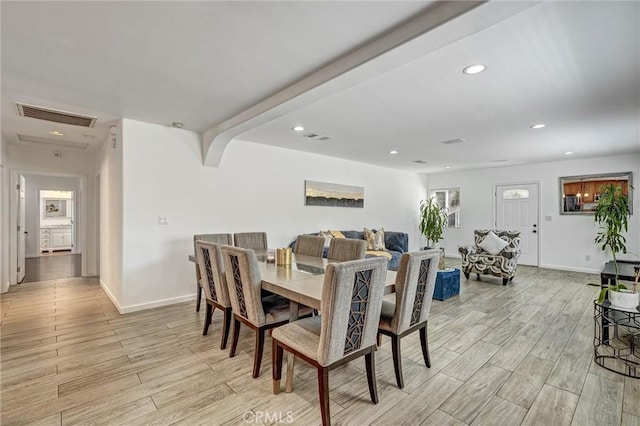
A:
(433, 219)
(612, 217)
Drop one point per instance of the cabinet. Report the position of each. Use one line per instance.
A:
(58, 238)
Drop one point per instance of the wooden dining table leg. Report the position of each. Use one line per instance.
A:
(294, 312)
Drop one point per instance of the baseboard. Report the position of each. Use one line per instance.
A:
(111, 296)
(31, 255)
(146, 305)
(156, 304)
(571, 269)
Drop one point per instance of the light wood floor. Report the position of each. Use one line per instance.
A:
(520, 354)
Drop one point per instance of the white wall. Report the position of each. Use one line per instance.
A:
(256, 188)
(33, 185)
(565, 241)
(109, 168)
(4, 217)
(26, 160)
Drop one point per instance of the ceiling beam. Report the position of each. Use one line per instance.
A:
(422, 34)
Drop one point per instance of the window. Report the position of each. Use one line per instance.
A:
(449, 199)
(513, 194)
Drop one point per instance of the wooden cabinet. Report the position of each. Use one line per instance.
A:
(572, 188)
(56, 238)
(592, 187)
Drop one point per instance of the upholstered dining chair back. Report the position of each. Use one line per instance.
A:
(415, 282)
(221, 239)
(344, 249)
(351, 301)
(251, 240)
(309, 245)
(244, 283)
(214, 281)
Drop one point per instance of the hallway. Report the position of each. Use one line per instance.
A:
(52, 266)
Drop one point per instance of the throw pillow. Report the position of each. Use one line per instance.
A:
(375, 239)
(327, 237)
(337, 234)
(493, 244)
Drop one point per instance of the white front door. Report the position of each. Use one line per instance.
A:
(21, 229)
(517, 210)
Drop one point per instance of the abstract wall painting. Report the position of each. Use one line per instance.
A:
(333, 194)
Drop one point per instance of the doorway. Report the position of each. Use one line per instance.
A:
(52, 227)
(517, 209)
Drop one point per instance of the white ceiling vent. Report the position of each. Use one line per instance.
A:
(317, 137)
(35, 141)
(56, 116)
(453, 141)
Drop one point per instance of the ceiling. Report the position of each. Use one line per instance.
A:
(574, 66)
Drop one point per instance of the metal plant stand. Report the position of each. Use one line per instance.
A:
(617, 338)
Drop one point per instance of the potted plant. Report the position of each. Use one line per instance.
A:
(612, 215)
(433, 219)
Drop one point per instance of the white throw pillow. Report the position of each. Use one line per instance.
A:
(493, 244)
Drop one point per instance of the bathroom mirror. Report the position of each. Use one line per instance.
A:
(580, 194)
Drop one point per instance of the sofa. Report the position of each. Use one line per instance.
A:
(396, 243)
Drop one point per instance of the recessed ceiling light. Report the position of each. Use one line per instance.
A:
(297, 129)
(177, 125)
(567, 153)
(56, 133)
(538, 126)
(393, 151)
(447, 167)
(474, 69)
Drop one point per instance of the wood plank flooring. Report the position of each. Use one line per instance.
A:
(520, 354)
(52, 266)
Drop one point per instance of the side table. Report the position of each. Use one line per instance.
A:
(616, 343)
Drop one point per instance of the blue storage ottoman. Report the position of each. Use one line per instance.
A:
(447, 284)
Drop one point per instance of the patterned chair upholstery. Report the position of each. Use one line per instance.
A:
(249, 306)
(502, 265)
(214, 284)
(225, 239)
(415, 283)
(344, 249)
(309, 245)
(251, 240)
(351, 301)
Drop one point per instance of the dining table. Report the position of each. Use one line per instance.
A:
(299, 281)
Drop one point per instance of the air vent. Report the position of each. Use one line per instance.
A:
(453, 141)
(27, 140)
(56, 116)
(317, 137)
(420, 161)
(499, 161)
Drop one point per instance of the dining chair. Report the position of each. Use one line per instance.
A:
(309, 245)
(344, 249)
(351, 301)
(251, 240)
(248, 306)
(415, 282)
(214, 283)
(226, 239)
